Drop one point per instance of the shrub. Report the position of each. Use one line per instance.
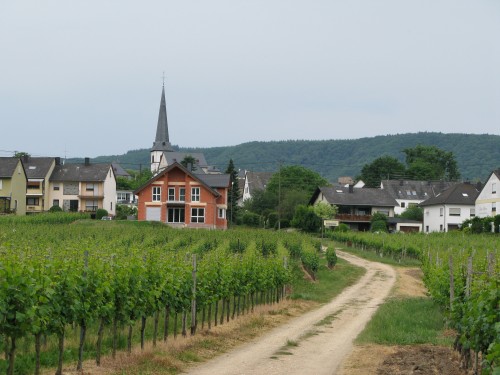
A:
(379, 226)
(55, 209)
(331, 257)
(100, 213)
(251, 219)
(342, 228)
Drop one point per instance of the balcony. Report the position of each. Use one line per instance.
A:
(350, 218)
(91, 195)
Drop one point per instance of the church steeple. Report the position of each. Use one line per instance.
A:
(162, 141)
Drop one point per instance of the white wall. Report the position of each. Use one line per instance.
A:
(489, 197)
(434, 222)
(109, 201)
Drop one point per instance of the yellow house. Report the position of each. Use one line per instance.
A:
(13, 183)
(38, 171)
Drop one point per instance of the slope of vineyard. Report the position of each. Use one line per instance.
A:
(462, 273)
(112, 277)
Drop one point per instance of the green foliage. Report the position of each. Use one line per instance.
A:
(378, 226)
(100, 213)
(295, 177)
(189, 160)
(413, 213)
(250, 219)
(325, 210)
(342, 228)
(331, 257)
(233, 194)
(385, 167)
(378, 216)
(306, 219)
(478, 225)
(55, 209)
(138, 179)
(349, 155)
(123, 211)
(431, 163)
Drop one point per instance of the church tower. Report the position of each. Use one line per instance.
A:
(162, 142)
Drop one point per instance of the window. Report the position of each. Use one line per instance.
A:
(111, 206)
(493, 187)
(90, 187)
(56, 187)
(55, 202)
(195, 194)
(32, 201)
(0, 184)
(403, 204)
(33, 185)
(454, 212)
(441, 227)
(182, 194)
(152, 158)
(156, 194)
(441, 211)
(175, 215)
(171, 194)
(472, 212)
(222, 213)
(427, 228)
(197, 215)
(91, 205)
(494, 206)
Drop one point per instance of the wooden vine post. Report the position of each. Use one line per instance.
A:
(193, 299)
(452, 283)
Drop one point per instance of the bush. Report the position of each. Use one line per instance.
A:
(379, 226)
(251, 219)
(331, 257)
(55, 209)
(100, 213)
(123, 211)
(342, 228)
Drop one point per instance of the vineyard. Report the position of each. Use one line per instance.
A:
(462, 273)
(122, 282)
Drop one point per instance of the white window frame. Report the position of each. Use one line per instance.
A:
(90, 186)
(441, 211)
(494, 206)
(493, 187)
(195, 194)
(472, 212)
(221, 213)
(55, 202)
(156, 194)
(182, 194)
(172, 218)
(454, 211)
(56, 187)
(171, 194)
(197, 215)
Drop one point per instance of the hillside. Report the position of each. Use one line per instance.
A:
(477, 155)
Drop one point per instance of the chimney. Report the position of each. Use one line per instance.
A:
(190, 167)
(351, 188)
(87, 162)
(58, 161)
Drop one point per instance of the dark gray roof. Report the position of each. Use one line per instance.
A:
(258, 180)
(399, 220)
(80, 172)
(463, 194)
(162, 141)
(415, 190)
(215, 180)
(119, 171)
(176, 157)
(8, 166)
(37, 167)
(341, 196)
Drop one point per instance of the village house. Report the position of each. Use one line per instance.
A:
(192, 195)
(83, 187)
(488, 200)
(447, 210)
(13, 182)
(38, 171)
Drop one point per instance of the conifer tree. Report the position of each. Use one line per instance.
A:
(233, 193)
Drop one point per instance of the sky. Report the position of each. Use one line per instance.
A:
(84, 78)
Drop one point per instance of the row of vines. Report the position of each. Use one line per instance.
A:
(462, 273)
(62, 280)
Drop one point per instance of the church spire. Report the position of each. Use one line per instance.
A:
(162, 142)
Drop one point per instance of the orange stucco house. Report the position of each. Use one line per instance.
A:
(181, 198)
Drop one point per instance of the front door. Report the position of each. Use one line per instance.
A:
(73, 205)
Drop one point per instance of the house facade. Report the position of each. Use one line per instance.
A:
(254, 181)
(488, 200)
(182, 198)
(83, 187)
(356, 205)
(13, 184)
(448, 210)
(38, 171)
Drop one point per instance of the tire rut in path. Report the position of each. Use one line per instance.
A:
(324, 336)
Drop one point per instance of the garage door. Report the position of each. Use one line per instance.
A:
(153, 213)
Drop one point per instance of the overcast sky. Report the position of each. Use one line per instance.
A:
(84, 78)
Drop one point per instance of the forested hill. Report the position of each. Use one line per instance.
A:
(477, 155)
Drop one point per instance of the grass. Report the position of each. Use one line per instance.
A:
(329, 282)
(406, 321)
(374, 257)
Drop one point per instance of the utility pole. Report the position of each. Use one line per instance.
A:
(280, 163)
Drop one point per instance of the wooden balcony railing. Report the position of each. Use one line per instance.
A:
(353, 218)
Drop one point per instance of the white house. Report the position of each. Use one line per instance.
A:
(448, 210)
(255, 181)
(488, 200)
(410, 193)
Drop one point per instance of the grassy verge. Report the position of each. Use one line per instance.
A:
(374, 257)
(329, 284)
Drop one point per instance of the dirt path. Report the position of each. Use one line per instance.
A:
(317, 342)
